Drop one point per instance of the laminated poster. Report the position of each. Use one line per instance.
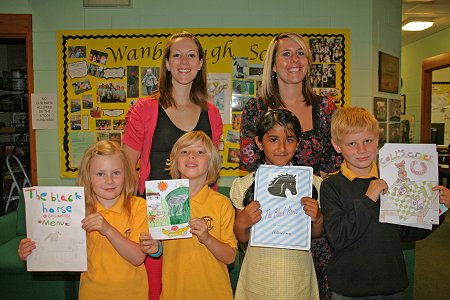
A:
(53, 218)
(411, 171)
(284, 223)
(168, 208)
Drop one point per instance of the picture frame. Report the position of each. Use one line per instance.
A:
(394, 110)
(388, 73)
(380, 108)
(403, 104)
(382, 134)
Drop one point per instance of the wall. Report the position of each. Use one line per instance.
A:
(412, 56)
(374, 25)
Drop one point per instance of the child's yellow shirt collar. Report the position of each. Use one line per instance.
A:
(351, 175)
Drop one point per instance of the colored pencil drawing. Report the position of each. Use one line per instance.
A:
(410, 170)
(168, 208)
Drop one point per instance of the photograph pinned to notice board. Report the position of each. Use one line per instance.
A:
(53, 219)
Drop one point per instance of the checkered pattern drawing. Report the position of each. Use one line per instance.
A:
(411, 198)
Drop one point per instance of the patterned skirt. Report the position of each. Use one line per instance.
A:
(321, 253)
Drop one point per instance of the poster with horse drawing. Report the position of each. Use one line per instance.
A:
(284, 223)
(411, 171)
(168, 208)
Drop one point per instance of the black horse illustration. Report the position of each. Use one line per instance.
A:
(279, 184)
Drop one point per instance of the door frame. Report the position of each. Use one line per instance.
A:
(429, 65)
(20, 26)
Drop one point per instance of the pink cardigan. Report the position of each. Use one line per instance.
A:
(140, 127)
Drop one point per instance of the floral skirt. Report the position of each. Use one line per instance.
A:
(321, 253)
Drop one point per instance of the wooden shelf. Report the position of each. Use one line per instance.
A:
(13, 130)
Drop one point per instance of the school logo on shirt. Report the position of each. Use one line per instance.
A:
(208, 221)
(127, 232)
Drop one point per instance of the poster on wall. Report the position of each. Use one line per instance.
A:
(102, 73)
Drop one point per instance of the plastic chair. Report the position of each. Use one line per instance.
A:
(18, 175)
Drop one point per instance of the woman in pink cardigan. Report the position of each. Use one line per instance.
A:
(154, 124)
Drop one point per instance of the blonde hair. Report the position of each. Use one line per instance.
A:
(199, 92)
(270, 90)
(347, 120)
(105, 148)
(189, 139)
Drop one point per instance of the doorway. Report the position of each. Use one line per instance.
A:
(428, 66)
(17, 136)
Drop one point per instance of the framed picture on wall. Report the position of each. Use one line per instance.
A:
(394, 110)
(403, 104)
(382, 136)
(394, 132)
(380, 108)
(388, 73)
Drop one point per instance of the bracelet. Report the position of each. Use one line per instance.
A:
(159, 252)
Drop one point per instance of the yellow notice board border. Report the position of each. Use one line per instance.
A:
(101, 73)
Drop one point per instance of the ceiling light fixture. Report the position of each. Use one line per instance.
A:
(417, 24)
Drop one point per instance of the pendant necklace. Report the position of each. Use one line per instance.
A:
(182, 108)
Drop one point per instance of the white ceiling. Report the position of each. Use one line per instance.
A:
(437, 9)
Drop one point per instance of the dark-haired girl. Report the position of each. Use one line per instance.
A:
(273, 273)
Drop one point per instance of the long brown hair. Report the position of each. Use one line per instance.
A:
(105, 148)
(199, 92)
(270, 90)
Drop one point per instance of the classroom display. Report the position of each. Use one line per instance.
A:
(102, 73)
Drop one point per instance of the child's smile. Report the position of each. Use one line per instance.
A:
(107, 178)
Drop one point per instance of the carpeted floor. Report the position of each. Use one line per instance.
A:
(432, 267)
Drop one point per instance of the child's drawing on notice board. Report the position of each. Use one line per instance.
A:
(411, 171)
(168, 208)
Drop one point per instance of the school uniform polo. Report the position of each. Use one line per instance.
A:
(109, 275)
(190, 270)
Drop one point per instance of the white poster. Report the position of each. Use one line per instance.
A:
(53, 218)
(44, 111)
(411, 171)
(168, 208)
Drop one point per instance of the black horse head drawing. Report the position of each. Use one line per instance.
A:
(279, 184)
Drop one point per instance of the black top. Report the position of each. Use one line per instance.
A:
(165, 136)
(367, 258)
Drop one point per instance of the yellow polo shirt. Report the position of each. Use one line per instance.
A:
(109, 275)
(351, 175)
(190, 270)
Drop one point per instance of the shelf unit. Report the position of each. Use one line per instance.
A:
(14, 127)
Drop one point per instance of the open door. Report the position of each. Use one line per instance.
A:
(428, 66)
(19, 27)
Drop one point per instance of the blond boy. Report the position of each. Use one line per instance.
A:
(367, 260)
